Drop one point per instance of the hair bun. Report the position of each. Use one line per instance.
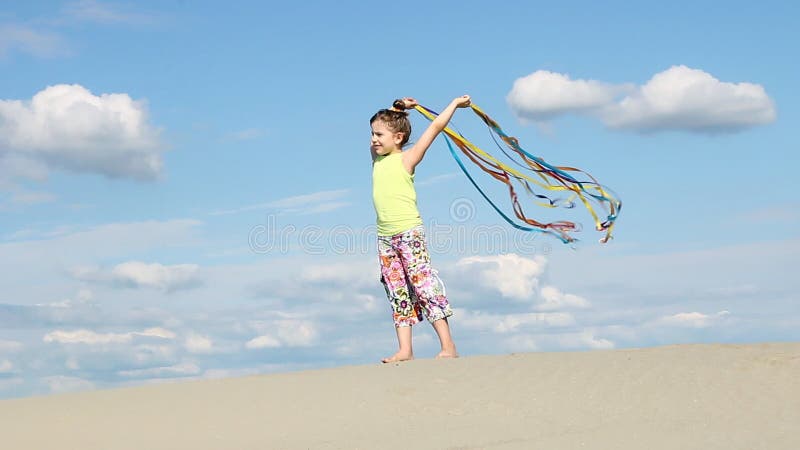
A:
(399, 105)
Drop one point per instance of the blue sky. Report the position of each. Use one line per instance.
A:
(185, 186)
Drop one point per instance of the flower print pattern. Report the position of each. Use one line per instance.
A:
(412, 286)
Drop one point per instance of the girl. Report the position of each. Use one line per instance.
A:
(411, 284)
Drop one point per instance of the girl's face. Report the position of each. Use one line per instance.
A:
(384, 141)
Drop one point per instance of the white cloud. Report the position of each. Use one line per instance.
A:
(157, 332)
(138, 274)
(283, 333)
(352, 274)
(148, 354)
(182, 369)
(543, 95)
(512, 275)
(83, 297)
(692, 319)
(24, 39)
(679, 98)
(196, 343)
(297, 333)
(346, 290)
(86, 337)
(263, 341)
(511, 323)
(157, 276)
(555, 299)
(90, 337)
(68, 127)
(584, 339)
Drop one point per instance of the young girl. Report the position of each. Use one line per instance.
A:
(411, 284)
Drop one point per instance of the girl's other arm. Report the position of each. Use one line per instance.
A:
(414, 155)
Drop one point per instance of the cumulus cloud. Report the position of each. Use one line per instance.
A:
(692, 319)
(679, 98)
(68, 127)
(512, 275)
(555, 299)
(341, 290)
(297, 333)
(543, 95)
(516, 277)
(284, 333)
(136, 274)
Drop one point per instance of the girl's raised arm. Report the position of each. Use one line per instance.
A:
(414, 155)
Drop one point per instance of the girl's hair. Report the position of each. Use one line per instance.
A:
(396, 119)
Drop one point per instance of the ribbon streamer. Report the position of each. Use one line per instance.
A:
(539, 173)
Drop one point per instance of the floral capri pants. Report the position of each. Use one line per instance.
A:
(412, 286)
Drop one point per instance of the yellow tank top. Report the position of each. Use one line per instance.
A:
(394, 196)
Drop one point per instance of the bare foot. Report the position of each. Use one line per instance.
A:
(397, 357)
(449, 353)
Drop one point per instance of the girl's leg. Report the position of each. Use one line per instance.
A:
(404, 340)
(404, 312)
(428, 289)
(448, 346)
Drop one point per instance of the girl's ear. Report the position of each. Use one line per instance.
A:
(398, 138)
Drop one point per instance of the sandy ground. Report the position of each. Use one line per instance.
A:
(676, 397)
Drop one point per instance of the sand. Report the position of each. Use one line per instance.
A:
(674, 397)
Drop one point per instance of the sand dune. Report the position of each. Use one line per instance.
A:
(675, 397)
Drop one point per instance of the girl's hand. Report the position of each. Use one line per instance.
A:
(462, 102)
(409, 102)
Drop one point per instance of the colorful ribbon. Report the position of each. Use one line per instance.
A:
(545, 176)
